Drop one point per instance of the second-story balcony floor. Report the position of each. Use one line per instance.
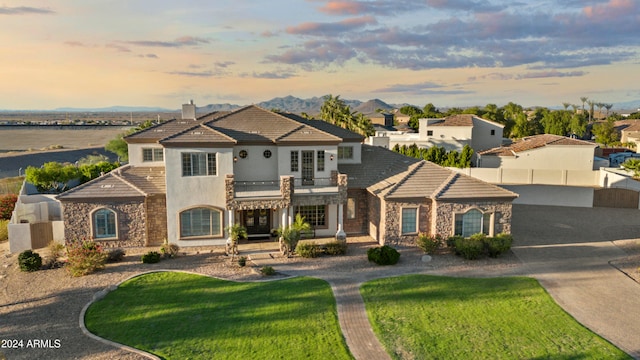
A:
(271, 188)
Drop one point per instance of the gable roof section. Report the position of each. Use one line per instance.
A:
(166, 129)
(123, 182)
(344, 134)
(199, 135)
(377, 165)
(535, 142)
(393, 176)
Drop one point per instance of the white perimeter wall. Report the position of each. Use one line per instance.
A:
(554, 195)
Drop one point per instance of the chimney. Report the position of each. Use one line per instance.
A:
(189, 111)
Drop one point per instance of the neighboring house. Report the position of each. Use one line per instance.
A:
(629, 132)
(189, 179)
(546, 151)
(452, 133)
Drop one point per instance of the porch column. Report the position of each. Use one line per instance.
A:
(290, 215)
(340, 234)
(284, 215)
(231, 216)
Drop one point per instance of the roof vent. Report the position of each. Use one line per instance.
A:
(254, 132)
(106, 186)
(197, 133)
(158, 130)
(306, 132)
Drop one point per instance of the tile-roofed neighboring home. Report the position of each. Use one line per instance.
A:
(198, 135)
(305, 134)
(534, 142)
(454, 120)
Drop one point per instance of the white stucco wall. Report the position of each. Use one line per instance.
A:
(256, 166)
(135, 155)
(184, 192)
(481, 135)
(564, 157)
(284, 160)
(443, 132)
(357, 153)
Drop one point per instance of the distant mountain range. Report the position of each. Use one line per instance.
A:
(296, 105)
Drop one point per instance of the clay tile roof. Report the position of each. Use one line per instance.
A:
(169, 128)
(394, 176)
(455, 120)
(199, 135)
(344, 134)
(123, 182)
(534, 142)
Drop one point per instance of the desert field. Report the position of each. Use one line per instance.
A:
(42, 138)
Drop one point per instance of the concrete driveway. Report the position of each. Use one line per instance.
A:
(569, 251)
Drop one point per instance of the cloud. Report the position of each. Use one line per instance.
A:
(118, 48)
(423, 88)
(273, 75)
(391, 7)
(24, 10)
(75, 44)
(179, 42)
(318, 29)
(529, 75)
(149, 56)
(224, 64)
(204, 74)
(571, 36)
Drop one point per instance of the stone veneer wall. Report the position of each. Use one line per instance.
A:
(130, 218)
(393, 215)
(157, 219)
(445, 212)
(286, 192)
(359, 224)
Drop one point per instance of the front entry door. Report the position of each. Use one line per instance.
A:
(307, 167)
(257, 221)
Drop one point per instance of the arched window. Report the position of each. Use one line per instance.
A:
(104, 224)
(202, 221)
(473, 222)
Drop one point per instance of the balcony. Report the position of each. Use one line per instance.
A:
(315, 185)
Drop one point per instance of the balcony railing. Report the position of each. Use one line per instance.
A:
(258, 185)
(315, 182)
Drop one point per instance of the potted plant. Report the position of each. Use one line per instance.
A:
(236, 232)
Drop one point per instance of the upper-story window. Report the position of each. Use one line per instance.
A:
(429, 132)
(345, 152)
(149, 154)
(199, 164)
(294, 161)
(320, 161)
(493, 132)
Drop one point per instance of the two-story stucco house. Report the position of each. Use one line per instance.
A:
(189, 179)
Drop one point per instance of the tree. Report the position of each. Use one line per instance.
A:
(584, 100)
(578, 125)
(608, 107)
(52, 177)
(632, 164)
(521, 127)
(451, 160)
(290, 235)
(465, 157)
(605, 132)
(337, 112)
(410, 110)
(119, 147)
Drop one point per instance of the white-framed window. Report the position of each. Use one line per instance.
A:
(429, 132)
(473, 222)
(345, 152)
(201, 221)
(104, 224)
(152, 154)
(294, 160)
(315, 215)
(320, 161)
(409, 220)
(351, 208)
(199, 164)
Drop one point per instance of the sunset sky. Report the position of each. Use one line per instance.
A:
(98, 53)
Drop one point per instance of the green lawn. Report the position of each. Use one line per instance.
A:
(431, 317)
(185, 316)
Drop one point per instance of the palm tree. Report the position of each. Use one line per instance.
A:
(584, 100)
(290, 235)
(600, 106)
(236, 232)
(574, 107)
(608, 107)
(566, 105)
(591, 104)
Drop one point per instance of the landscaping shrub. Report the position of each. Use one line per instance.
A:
(151, 257)
(267, 270)
(7, 204)
(470, 248)
(335, 248)
(429, 244)
(4, 230)
(498, 245)
(56, 250)
(169, 250)
(115, 255)
(242, 261)
(383, 255)
(85, 257)
(29, 261)
(307, 249)
(451, 241)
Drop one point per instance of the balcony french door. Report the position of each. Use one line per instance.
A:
(307, 167)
